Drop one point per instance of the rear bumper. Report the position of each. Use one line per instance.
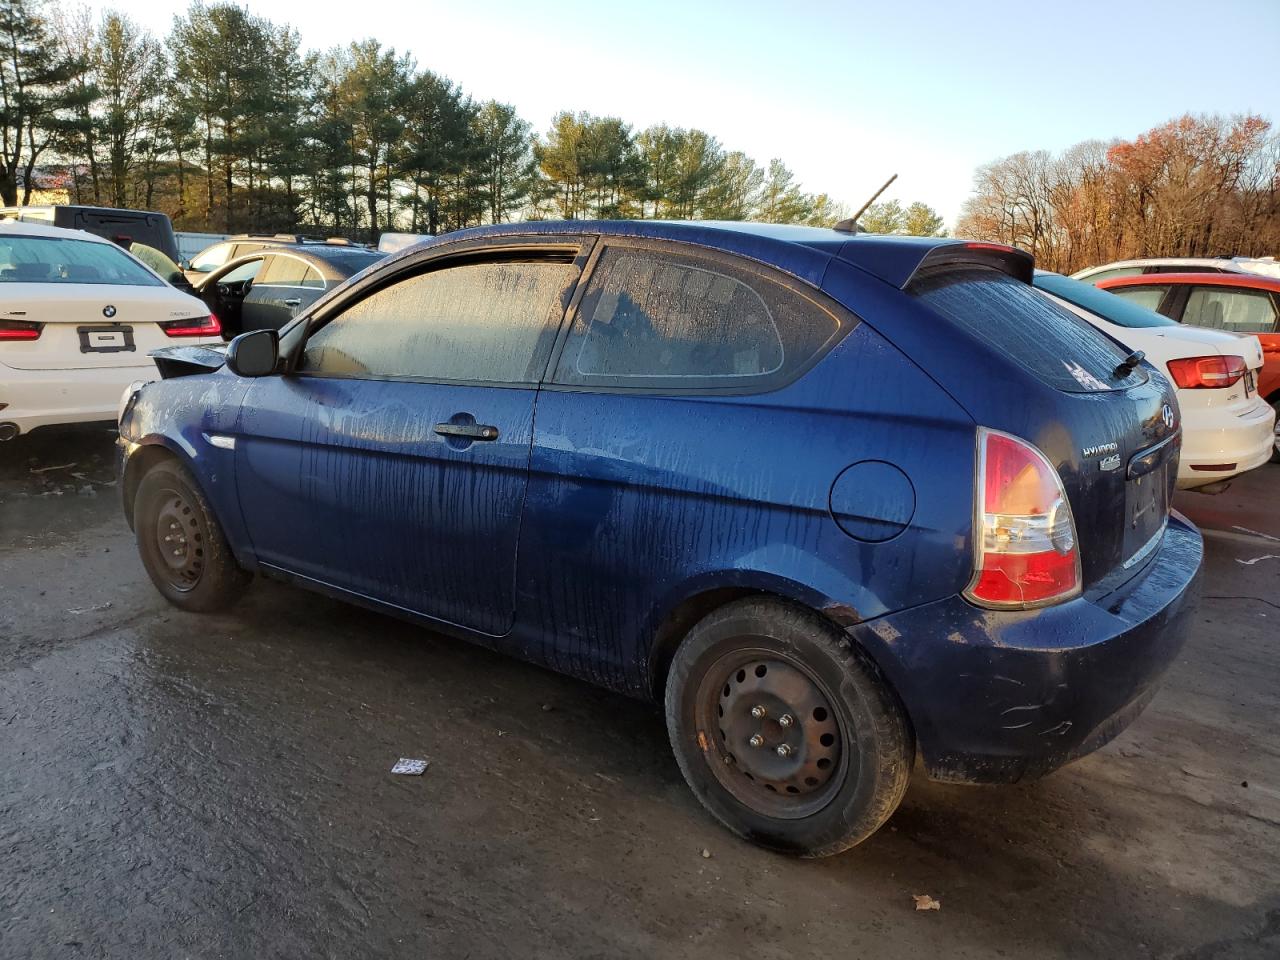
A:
(1214, 437)
(1002, 696)
(38, 398)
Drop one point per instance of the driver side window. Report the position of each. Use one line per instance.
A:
(483, 322)
(246, 271)
(211, 259)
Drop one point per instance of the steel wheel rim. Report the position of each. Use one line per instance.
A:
(761, 693)
(179, 541)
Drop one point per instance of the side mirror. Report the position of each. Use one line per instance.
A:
(184, 264)
(254, 354)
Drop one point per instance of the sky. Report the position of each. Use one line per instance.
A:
(845, 93)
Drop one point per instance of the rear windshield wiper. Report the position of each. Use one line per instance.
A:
(1128, 364)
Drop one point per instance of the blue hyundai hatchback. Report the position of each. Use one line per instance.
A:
(836, 500)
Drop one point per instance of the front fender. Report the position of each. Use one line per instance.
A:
(181, 418)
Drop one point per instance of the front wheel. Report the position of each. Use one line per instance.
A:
(784, 731)
(181, 544)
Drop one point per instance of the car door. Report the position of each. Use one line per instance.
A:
(279, 292)
(225, 291)
(392, 461)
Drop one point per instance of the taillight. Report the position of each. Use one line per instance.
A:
(195, 327)
(1026, 553)
(1192, 373)
(19, 330)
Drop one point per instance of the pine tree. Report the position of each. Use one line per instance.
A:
(39, 99)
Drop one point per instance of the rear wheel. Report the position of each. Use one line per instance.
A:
(784, 731)
(181, 544)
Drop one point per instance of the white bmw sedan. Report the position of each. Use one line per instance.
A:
(1227, 428)
(78, 316)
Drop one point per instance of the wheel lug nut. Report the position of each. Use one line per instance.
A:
(756, 740)
(784, 750)
(758, 712)
(785, 720)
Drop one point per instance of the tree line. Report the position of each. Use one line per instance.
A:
(228, 124)
(1195, 186)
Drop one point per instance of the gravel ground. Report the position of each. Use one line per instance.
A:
(184, 786)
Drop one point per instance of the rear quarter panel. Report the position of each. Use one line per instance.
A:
(639, 502)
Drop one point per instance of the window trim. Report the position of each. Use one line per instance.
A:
(572, 250)
(845, 319)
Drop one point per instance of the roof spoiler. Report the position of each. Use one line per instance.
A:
(972, 253)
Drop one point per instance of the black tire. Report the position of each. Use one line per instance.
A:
(198, 573)
(850, 747)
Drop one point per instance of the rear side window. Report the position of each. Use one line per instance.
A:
(1047, 340)
(486, 322)
(1236, 311)
(651, 319)
(1149, 298)
(283, 272)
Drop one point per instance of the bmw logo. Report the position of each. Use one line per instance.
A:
(1167, 415)
(109, 311)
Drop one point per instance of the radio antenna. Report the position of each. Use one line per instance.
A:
(850, 224)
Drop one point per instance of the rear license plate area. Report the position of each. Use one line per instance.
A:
(1250, 384)
(1146, 512)
(113, 339)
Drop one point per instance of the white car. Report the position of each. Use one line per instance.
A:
(78, 316)
(1225, 424)
(1265, 266)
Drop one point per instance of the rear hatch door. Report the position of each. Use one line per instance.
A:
(1110, 428)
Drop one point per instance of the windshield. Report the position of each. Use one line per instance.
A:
(1117, 310)
(59, 260)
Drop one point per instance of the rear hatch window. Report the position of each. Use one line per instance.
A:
(1050, 342)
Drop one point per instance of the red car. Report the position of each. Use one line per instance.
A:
(1235, 302)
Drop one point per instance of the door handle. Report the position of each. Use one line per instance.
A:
(292, 301)
(470, 431)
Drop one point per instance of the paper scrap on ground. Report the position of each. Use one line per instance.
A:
(410, 768)
(926, 902)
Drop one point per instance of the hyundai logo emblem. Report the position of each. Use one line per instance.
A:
(109, 311)
(1167, 415)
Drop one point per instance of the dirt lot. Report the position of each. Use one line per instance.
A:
(180, 786)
